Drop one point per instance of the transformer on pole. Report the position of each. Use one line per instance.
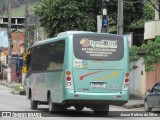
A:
(105, 19)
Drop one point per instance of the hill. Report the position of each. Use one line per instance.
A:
(17, 7)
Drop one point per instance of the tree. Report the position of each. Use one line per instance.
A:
(1, 6)
(147, 14)
(61, 15)
(152, 51)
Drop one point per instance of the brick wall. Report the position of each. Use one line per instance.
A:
(17, 41)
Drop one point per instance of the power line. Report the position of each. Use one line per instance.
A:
(135, 2)
(24, 8)
(154, 6)
(19, 4)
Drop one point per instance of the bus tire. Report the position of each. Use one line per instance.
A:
(33, 103)
(52, 106)
(101, 110)
(79, 108)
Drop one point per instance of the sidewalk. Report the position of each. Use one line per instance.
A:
(17, 88)
(5, 82)
(132, 103)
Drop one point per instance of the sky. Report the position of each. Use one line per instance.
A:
(3, 38)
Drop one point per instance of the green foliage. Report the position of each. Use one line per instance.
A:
(56, 16)
(61, 15)
(1, 6)
(152, 54)
(134, 67)
(133, 53)
(18, 88)
(133, 56)
(152, 50)
(147, 14)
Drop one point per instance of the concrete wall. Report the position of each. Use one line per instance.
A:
(143, 82)
(138, 79)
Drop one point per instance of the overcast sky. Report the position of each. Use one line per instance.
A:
(3, 38)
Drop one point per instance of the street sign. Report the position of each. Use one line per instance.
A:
(105, 22)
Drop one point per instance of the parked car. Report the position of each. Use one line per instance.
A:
(152, 98)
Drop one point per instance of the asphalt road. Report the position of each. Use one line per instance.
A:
(19, 104)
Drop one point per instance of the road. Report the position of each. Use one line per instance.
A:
(10, 102)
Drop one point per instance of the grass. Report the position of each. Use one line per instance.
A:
(20, 11)
(133, 106)
(18, 88)
(134, 97)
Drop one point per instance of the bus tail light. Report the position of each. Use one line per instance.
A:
(68, 79)
(127, 74)
(68, 73)
(126, 82)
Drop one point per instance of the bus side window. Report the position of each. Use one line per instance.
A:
(28, 60)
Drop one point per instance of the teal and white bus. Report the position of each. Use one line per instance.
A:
(80, 69)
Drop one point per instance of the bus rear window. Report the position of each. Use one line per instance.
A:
(98, 47)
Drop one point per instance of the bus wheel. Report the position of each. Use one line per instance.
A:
(52, 106)
(33, 104)
(79, 108)
(101, 110)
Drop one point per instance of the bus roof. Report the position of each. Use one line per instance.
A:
(73, 32)
(64, 34)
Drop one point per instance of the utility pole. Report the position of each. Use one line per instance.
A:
(26, 26)
(9, 40)
(120, 18)
(157, 13)
(25, 41)
(105, 19)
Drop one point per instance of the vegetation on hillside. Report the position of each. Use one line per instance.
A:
(17, 6)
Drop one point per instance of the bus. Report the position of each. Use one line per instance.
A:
(79, 69)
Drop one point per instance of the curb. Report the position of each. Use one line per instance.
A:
(23, 92)
(2, 83)
(19, 92)
(133, 106)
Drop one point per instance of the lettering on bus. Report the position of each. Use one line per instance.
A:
(99, 48)
(80, 63)
(41, 78)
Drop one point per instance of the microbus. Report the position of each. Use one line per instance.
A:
(80, 69)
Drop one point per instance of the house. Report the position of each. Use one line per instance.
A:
(17, 49)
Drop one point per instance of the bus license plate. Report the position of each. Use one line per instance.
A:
(98, 85)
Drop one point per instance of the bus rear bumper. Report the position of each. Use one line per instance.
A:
(119, 98)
